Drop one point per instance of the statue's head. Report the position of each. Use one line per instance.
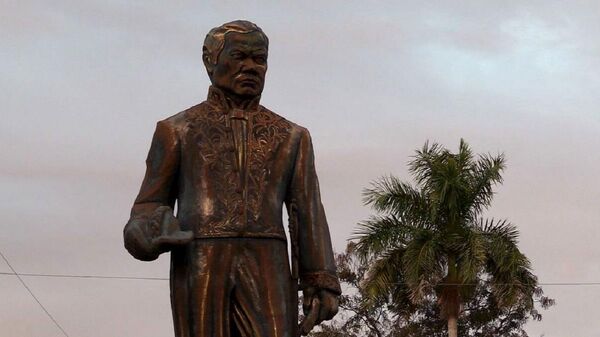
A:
(235, 56)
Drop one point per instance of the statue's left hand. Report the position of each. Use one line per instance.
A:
(318, 305)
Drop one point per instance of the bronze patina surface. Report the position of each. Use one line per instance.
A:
(231, 164)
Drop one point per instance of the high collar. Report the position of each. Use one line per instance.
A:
(217, 98)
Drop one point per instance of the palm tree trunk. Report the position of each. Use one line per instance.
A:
(452, 298)
(452, 326)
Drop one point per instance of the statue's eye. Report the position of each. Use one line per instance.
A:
(260, 59)
(236, 55)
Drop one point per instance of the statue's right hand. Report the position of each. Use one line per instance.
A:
(138, 241)
(147, 237)
(165, 230)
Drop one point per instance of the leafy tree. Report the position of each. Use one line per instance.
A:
(430, 244)
(480, 316)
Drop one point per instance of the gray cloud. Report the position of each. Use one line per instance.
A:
(85, 83)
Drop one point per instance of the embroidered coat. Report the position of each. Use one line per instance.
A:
(233, 184)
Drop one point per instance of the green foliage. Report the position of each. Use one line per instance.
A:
(396, 316)
(430, 244)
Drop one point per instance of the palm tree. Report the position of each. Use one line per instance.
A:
(429, 241)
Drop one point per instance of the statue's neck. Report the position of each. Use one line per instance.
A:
(237, 102)
(230, 101)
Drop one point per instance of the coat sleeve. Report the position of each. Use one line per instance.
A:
(312, 253)
(159, 188)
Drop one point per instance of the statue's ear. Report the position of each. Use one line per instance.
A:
(207, 61)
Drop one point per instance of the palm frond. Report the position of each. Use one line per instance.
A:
(487, 172)
(383, 276)
(518, 286)
(464, 157)
(389, 195)
(401, 297)
(499, 233)
(472, 255)
(422, 163)
(501, 229)
(509, 269)
(423, 263)
(445, 178)
(379, 234)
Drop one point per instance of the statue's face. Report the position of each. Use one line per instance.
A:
(242, 65)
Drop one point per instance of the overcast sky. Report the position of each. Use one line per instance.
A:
(83, 83)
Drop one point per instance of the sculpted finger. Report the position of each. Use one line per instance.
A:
(138, 245)
(334, 307)
(159, 214)
(311, 318)
(183, 237)
(161, 210)
(308, 296)
(328, 311)
(323, 313)
(175, 239)
(138, 238)
(329, 305)
(306, 301)
(165, 218)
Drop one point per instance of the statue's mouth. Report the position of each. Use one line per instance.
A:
(249, 82)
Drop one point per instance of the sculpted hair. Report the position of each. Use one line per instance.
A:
(215, 39)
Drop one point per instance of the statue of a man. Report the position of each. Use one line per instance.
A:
(231, 165)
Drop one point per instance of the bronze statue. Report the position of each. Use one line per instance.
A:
(231, 165)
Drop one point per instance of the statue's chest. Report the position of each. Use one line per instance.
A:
(227, 144)
(237, 165)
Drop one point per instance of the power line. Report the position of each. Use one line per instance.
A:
(166, 279)
(32, 295)
(89, 276)
(539, 284)
(512, 284)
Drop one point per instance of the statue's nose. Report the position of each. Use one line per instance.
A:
(247, 66)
